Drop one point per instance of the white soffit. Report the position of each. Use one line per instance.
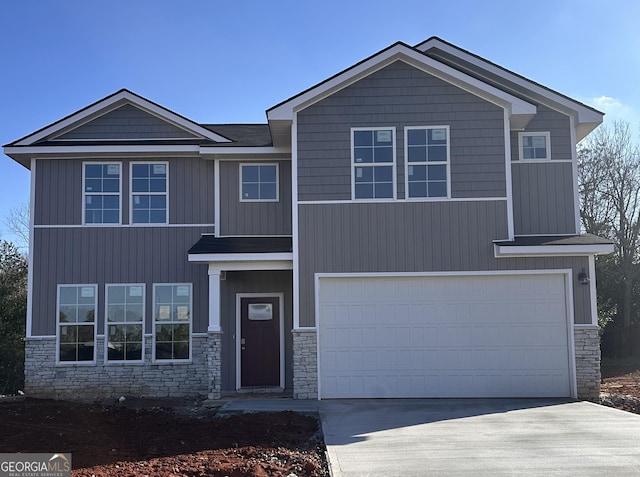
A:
(401, 52)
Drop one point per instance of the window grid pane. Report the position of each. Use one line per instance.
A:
(427, 162)
(373, 158)
(259, 182)
(149, 193)
(102, 193)
(76, 323)
(172, 317)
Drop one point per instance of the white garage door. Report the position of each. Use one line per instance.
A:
(443, 336)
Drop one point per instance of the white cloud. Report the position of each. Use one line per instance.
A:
(616, 109)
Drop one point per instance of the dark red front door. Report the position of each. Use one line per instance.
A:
(260, 341)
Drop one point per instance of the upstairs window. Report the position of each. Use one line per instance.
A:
(427, 153)
(373, 163)
(534, 146)
(258, 182)
(149, 193)
(101, 193)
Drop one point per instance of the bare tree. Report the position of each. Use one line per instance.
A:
(609, 176)
(17, 221)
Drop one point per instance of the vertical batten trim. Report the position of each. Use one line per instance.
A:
(574, 170)
(294, 222)
(32, 208)
(507, 172)
(216, 197)
(592, 290)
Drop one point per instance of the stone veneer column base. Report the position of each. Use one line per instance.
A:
(214, 364)
(587, 349)
(305, 364)
(46, 379)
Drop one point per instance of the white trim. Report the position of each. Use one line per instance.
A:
(149, 194)
(229, 153)
(239, 297)
(32, 207)
(426, 163)
(106, 322)
(547, 140)
(216, 197)
(249, 164)
(118, 150)
(540, 161)
(373, 165)
(245, 265)
(501, 251)
(84, 192)
(386, 201)
(153, 324)
(593, 296)
(588, 119)
(214, 276)
(508, 176)
(574, 170)
(132, 226)
(295, 222)
(230, 258)
(41, 337)
(518, 107)
(568, 290)
(110, 103)
(546, 235)
(95, 323)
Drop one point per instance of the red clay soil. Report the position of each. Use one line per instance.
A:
(118, 441)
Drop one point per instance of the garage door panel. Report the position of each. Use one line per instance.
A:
(443, 336)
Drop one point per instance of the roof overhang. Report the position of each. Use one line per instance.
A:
(586, 117)
(245, 261)
(553, 246)
(265, 152)
(243, 253)
(281, 116)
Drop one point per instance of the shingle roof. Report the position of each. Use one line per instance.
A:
(213, 244)
(250, 135)
(582, 239)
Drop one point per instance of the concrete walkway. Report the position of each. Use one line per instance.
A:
(474, 437)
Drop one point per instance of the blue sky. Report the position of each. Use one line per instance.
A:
(222, 61)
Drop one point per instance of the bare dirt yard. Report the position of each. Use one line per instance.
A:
(620, 386)
(142, 440)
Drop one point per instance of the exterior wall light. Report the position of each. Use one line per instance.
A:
(583, 278)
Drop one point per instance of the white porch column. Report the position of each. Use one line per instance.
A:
(214, 300)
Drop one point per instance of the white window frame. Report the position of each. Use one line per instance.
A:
(85, 193)
(243, 164)
(154, 322)
(132, 193)
(522, 135)
(95, 323)
(408, 164)
(374, 164)
(107, 322)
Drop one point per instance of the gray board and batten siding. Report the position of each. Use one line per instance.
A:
(104, 255)
(59, 186)
(253, 218)
(382, 237)
(400, 95)
(280, 281)
(126, 122)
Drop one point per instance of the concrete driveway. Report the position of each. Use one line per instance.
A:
(478, 437)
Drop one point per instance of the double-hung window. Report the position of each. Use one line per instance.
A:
(77, 306)
(534, 146)
(373, 163)
(149, 193)
(101, 193)
(258, 182)
(427, 161)
(172, 321)
(125, 322)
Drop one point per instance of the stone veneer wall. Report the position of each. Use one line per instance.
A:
(587, 347)
(305, 364)
(45, 379)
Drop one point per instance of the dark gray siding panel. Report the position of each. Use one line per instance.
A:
(401, 95)
(59, 191)
(543, 198)
(253, 282)
(559, 128)
(126, 122)
(253, 218)
(115, 255)
(411, 237)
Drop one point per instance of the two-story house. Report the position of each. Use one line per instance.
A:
(408, 227)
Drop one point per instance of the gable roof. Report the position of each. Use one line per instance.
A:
(586, 117)
(108, 104)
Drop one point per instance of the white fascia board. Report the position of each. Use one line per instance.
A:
(253, 258)
(75, 150)
(268, 151)
(414, 58)
(587, 118)
(502, 251)
(111, 103)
